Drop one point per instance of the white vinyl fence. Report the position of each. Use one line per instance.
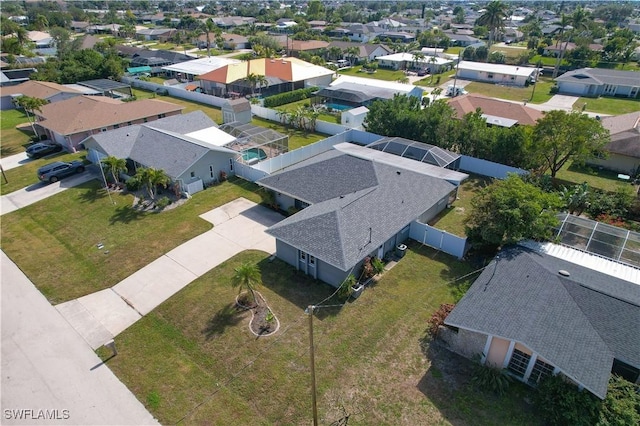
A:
(487, 168)
(438, 239)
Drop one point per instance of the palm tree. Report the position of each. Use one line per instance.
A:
(334, 52)
(261, 82)
(493, 18)
(563, 23)
(151, 178)
(247, 276)
(210, 27)
(115, 165)
(417, 58)
(579, 21)
(352, 53)
(29, 105)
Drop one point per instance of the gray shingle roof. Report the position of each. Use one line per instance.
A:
(356, 205)
(602, 76)
(161, 144)
(578, 323)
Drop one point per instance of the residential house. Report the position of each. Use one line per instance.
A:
(398, 37)
(189, 148)
(353, 92)
(508, 75)
(366, 52)
(555, 50)
(362, 33)
(228, 22)
(462, 39)
(191, 69)
(596, 82)
(623, 150)
(282, 75)
(156, 34)
(351, 205)
(79, 26)
(231, 41)
(11, 77)
(495, 111)
(69, 122)
(112, 29)
(408, 61)
(50, 92)
(546, 309)
(295, 47)
(354, 118)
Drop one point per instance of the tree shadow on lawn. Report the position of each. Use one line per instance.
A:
(126, 214)
(226, 317)
(296, 287)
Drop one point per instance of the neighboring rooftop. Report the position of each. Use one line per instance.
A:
(593, 317)
(601, 76)
(495, 111)
(521, 71)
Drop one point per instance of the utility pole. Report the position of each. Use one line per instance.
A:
(309, 311)
(455, 77)
(3, 175)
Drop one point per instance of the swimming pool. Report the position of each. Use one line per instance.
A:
(338, 107)
(254, 154)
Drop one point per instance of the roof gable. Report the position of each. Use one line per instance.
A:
(521, 296)
(469, 103)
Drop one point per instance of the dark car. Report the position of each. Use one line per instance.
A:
(40, 149)
(53, 172)
(422, 73)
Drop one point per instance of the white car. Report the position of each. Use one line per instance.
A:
(454, 91)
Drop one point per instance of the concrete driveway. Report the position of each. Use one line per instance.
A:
(238, 226)
(39, 191)
(14, 161)
(46, 365)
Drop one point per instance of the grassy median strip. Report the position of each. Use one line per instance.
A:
(194, 360)
(54, 241)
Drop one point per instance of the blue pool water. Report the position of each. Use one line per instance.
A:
(338, 106)
(252, 153)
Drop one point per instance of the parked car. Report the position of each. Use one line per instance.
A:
(41, 149)
(53, 172)
(422, 73)
(455, 91)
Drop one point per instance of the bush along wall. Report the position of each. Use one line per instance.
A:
(288, 97)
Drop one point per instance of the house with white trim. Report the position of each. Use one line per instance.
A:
(508, 75)
(596, 82)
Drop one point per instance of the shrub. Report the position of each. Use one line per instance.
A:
(163, 202)
(133, 184)
(288, 97)
(378, 265)
(346, 288)
(438, 317)
(491, 379)
(561, 403)
(622, 404)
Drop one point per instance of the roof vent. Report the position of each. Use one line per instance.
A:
(398, 172)
(564, 273)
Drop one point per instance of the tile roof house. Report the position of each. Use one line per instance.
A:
(536, 314)
(624, 148)
(231, 41)
(350, 207)
(52, 92)
(599, 82)
(70, 121)
(496, 112)
(282, 75)
(182, 146)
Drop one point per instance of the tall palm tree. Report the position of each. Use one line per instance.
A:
(352, 53)
(563, 23)
(418, 57)
(210, 27)
(115, 165)
(246, 276)
(334, 52)
(579, 21)
(29, 105)
(493, 18)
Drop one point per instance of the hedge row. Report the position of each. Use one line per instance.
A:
(288, 97)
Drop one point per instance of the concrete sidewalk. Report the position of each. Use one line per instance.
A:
(13, 161)
(238, 226)
(39, 191)
(46, 365)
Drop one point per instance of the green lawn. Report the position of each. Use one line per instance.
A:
(54, 240)
(297, 138)
(380, 74)
(193, 360)
(437, 80)
(452, 219)
(12, 140)
(611, 106)
(606, 180)
(26, 175)
(542, 91)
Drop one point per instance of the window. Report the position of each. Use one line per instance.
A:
(303, 256)
(301, 204)
(128, 123)
(162, 115)
(519, 362)
(193, 174)
(540, 370)
(231, 164)
(490, 75)
(104, 129)
(211, 172)
(145, 119)
(116, 126)
(312, 260)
